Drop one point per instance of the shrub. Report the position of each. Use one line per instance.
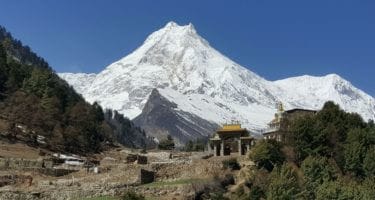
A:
(316, 170)
(283, 184)
(213, 190)
(267, 154)
(167, 144)
(258, 183)
(369, 162)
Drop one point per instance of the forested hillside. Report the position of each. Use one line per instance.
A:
(330, 155)
(40, 109)
(126, 132)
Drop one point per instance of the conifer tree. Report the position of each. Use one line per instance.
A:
(267, 154)
(369, 162)
(283, 184)
(316, 170)
(3, 71)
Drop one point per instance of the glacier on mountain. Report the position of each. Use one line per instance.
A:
(187, 71)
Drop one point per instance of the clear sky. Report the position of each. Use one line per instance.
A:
(275, 39)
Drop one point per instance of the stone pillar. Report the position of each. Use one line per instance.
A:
(222, 148)
(240, 147)
(248, 147)
(215, 149)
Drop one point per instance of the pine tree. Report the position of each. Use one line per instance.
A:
(31, 94)
(267, 154)
(3, 71)
(283, 185)
(369, 162)
(340, 189)
(316, 170)
(38, 82)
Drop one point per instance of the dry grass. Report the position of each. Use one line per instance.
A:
(18, 150)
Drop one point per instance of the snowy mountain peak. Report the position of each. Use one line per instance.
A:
(329, 80)
(188, 72)
(335, 78)
(173, 25)
(174, 33)
(312, 91)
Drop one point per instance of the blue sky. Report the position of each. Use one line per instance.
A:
(276, 39)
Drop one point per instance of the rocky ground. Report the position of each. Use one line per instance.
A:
(177, 175)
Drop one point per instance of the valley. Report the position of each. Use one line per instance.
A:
(177, 120)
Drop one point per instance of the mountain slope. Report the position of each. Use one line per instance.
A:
(311, 92)
(160, 118)
(187, 71)
(126, 132)
(37, 107)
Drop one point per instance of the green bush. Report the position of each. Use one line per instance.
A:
(167, 144)
(369, 162)
(267, 154)
(343, 189)
(283, 184)
(316, 170)
(258, 183)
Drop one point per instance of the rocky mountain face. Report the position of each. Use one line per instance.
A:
(198, 82)
(127, 133)
(161, 118)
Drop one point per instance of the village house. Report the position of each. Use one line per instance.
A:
(278, 128)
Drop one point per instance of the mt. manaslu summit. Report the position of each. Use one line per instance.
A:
(202, 84)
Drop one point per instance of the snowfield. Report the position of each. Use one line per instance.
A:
(200, 80)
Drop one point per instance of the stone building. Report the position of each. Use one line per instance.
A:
(231, 138)
(279, 126)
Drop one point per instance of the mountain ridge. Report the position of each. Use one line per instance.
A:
(160, 118)
(200, 80)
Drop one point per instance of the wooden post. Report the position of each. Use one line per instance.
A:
(240, 147)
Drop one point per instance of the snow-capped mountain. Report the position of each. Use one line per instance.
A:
(198, 79)
(311, 92)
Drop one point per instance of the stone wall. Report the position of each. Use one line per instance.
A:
(55, 172)
(10, 163)
(15, 179)
(42, 166)
(132, 158)
(74, 192)
(187, 169)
